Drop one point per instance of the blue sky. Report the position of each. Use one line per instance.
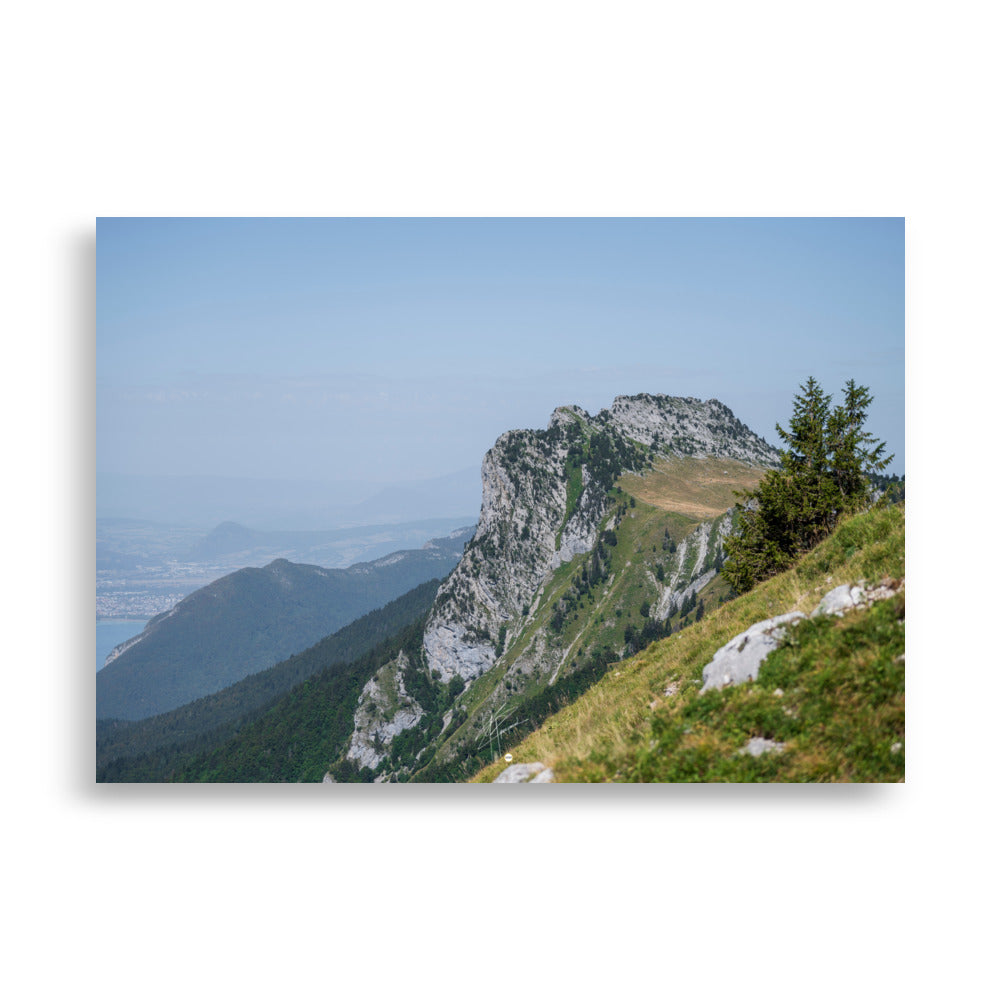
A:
(386, 350)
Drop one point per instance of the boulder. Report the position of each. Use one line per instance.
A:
(759, 745)
(741, 657)
(840, 599)
(532, 774)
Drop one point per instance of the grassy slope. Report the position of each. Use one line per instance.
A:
(701, 488)
(843, 687)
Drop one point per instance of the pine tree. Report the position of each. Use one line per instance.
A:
(854, 462)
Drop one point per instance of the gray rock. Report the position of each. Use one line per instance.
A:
(516, 774)
(758, 745)
(740, 659)
(839, 600)
(385, 709)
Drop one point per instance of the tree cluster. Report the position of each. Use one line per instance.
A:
(825, 473)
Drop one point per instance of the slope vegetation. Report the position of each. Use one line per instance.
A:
(830, 700)
(696, 487)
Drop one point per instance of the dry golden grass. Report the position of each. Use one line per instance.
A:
(698, 487)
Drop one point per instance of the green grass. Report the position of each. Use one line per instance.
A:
(840, 714)
(834, 698)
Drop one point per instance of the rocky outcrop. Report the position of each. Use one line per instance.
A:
(739, 659)
(384, 711)
(545, 494)
(856, 595)
(688, 426)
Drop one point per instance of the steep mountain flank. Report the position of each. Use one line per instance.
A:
(801, 678)
(566, 571)
(250, 620)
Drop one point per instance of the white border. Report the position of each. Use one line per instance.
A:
(553, 109)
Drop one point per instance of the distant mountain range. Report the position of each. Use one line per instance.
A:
(145, 567)
(250, 620)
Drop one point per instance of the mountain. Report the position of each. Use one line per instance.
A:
(577, 627)
(250, 620)
(596, 536)
(145, 568)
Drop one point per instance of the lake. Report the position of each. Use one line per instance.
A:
(110, 633)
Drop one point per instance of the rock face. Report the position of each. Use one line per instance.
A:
(693, 570)
(384, 711)
(687, 426)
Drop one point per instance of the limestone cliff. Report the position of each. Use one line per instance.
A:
(385, 709)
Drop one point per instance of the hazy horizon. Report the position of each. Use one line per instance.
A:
(380, 351)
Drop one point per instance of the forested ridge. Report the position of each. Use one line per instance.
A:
(154, 749)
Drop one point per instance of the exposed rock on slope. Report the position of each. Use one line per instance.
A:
(525, 774)
(739, 660)
(687, 426)
(385, 709)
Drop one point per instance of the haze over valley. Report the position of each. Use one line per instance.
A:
(168, 542)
